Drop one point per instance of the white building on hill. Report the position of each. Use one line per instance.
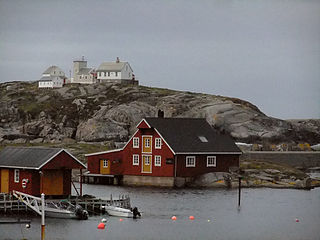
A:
(53, 77)
(82, 74)
(119, 72)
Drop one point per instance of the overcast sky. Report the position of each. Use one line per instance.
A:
(263, 51)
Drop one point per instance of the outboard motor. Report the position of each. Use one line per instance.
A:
(136, 213)
(81, 213)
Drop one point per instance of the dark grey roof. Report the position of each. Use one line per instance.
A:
(51, 69)
(183, 136)
(28, 157)
(111, 66)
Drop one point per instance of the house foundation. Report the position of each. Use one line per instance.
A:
(131, 180)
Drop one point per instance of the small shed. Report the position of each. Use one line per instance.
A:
(35, 170)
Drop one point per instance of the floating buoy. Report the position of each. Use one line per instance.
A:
(208, 220)
(297, 220)
(191, 217)
(174, 218)
(28, 225)
(101, 226)
(104, 220)
(120, 219)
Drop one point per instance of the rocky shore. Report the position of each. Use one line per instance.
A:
(259, 174)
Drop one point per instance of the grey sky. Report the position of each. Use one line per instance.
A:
(263, 51)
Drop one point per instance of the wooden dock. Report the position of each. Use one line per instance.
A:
(9, 204)
(95, 206)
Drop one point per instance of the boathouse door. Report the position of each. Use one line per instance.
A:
(53, 182)
(146, 164)
(4, 180)
(104, 166)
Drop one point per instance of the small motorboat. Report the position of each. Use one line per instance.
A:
(60, 209)
(65, 210)
(122, 212)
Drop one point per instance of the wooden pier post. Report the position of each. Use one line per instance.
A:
(239, 195)
(81, 182)
(42, 217)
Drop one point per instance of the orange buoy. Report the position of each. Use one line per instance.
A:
(101, 226)
(120, 219)
(297, 220)
(191, 217)
(174, 218)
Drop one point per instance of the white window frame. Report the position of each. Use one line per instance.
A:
(157, 143)
(134, 162)
(209, 164)
(143, 162)
(135, 142)
(147, 142)
(16, 175)
(149, 158)
(192, 164)
(157, 160)
(105, 163)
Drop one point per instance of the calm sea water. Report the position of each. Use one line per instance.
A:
(264, 214)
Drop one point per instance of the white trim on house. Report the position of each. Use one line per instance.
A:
(129, 140)
(135, 163)
(105, 163)
(157, 158)
(157, 146)
(145, 122)
(190, 164)
(16, 176)
(165, 141)
(133, 142)
(98, 153)
(58, 154)
(19, 167)
(209, 164)
(204, 153)
(150, 144)
(150, 163)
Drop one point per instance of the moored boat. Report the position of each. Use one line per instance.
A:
(122, 212)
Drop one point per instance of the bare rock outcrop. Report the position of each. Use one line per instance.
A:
(110, 112)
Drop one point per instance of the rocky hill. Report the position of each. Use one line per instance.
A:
(109, 112)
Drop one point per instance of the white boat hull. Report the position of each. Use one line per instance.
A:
(119, 212)
(57, 213)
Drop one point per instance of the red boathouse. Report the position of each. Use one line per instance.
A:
(164, 150)
(34, 170)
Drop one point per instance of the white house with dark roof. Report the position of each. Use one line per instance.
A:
(53, 77)
(119, 72)
(82, 74)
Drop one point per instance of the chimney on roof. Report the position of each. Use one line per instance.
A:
(160, 113)
(82, 58)
(118, 60)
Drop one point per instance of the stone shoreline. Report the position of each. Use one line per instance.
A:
(255, 174)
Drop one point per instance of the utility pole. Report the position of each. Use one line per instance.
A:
(239, 195)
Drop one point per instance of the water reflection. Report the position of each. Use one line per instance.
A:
(264, 214)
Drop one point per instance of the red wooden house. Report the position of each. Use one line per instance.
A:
(164, 150)
(37, 170)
